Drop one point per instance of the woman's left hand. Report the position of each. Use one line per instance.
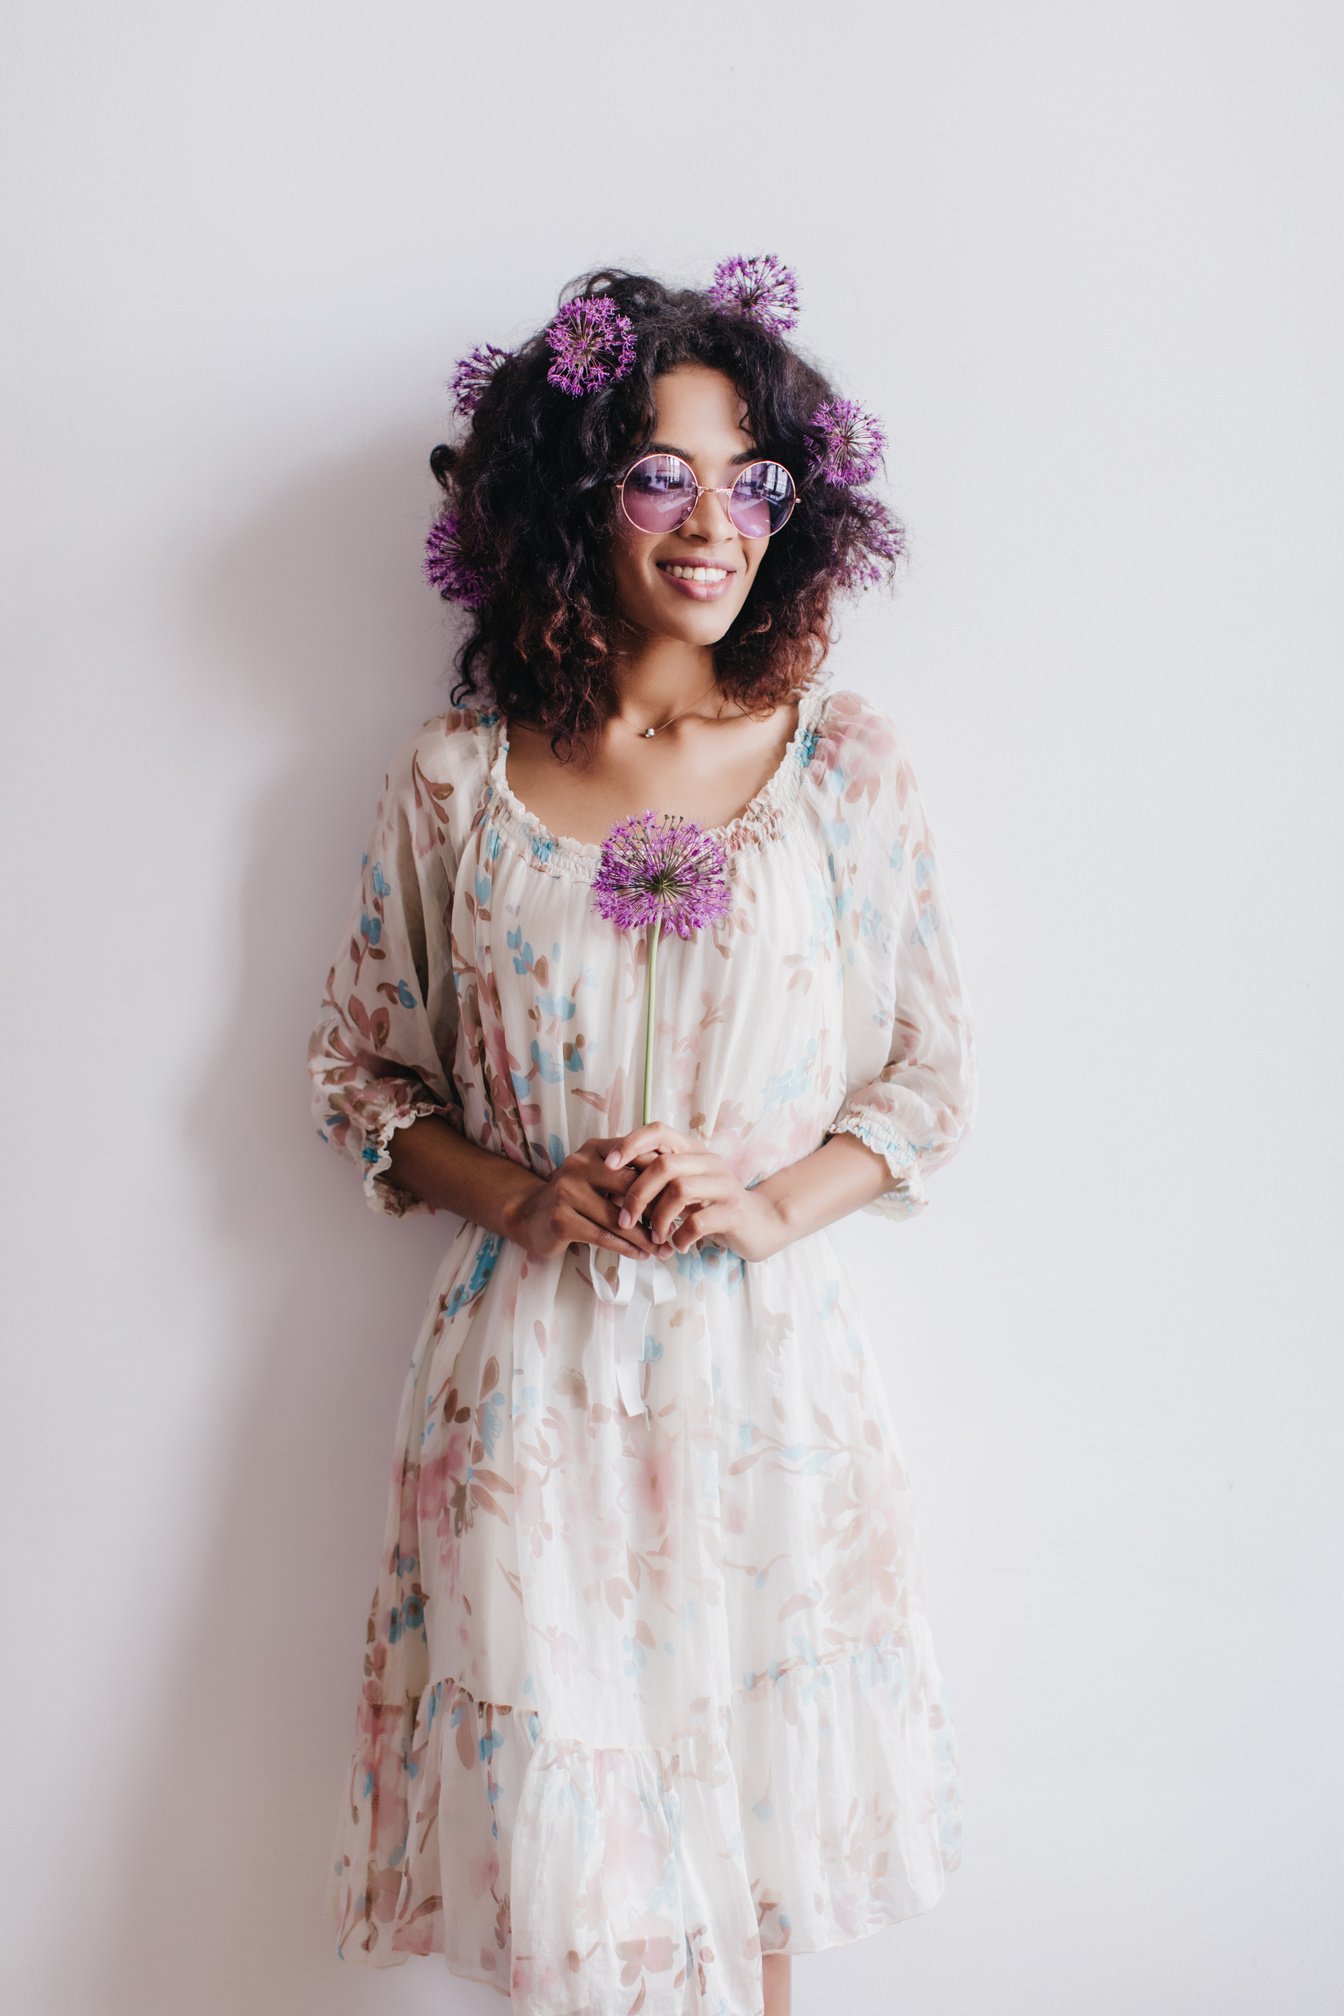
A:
(686, 1193)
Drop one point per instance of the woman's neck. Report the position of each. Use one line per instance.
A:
(663, 676)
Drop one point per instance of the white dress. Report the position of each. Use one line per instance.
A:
(649, 1688)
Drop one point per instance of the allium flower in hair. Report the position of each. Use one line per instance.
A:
(884, 542)
(847, 440)
(445, 568)
(592, 342)
(473, 373)
(762, 288)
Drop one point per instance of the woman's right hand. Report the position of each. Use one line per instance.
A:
(580, 1201)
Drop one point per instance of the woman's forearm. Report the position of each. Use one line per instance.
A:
(835, 1179)
(436, 1163)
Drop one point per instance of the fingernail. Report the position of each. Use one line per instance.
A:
(613, 1157)
(625, 1218)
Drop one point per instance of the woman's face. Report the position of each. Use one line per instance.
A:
(700, 418)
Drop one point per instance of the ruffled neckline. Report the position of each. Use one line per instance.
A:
(759, 822)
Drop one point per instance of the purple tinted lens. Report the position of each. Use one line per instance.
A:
(659, 492)
(762, 499)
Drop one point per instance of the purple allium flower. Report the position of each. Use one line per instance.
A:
(670, 874)
(445, 568)
(473, 373)
(762, 287)
(673, 875)
(593, 344)
(882, 545)
(847, 440)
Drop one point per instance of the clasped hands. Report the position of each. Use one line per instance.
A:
(654, 1190)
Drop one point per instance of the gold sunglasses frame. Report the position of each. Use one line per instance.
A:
(718, 489)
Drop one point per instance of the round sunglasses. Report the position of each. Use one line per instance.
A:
(660, 491)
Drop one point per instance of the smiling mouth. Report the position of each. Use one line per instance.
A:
(697, 584)
(703, 576)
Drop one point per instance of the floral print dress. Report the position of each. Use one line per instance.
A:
(648, 1688)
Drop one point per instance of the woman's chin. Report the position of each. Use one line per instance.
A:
(696, 623)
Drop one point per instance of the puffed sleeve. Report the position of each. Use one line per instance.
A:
(913, 1076)
(381, 1053)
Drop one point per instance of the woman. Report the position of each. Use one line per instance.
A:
(650, 1699)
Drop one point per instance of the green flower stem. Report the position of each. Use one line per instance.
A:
(654, 931)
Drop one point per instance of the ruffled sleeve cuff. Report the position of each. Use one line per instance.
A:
(907, 1194)
(380, 1192)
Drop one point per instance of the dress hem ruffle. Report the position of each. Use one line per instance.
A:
(661, 1862)
(464, 1973)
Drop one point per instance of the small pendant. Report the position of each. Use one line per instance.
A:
(647, 733)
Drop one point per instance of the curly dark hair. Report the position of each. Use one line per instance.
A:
(530, 514)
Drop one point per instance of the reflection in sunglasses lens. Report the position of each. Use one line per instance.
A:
(659, 493)
(762, 499)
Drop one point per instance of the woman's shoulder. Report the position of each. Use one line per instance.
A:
(449, 748)
(436, 776)
(860, 755)
(857, 722)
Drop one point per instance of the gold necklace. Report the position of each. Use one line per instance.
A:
(646, 734)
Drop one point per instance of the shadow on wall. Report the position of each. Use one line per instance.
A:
(316, 622)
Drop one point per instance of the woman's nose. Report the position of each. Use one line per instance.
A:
(703, 518)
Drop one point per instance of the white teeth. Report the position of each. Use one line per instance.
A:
(698, 573)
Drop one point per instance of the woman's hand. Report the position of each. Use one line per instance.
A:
(579, 1200)
(684, 1193)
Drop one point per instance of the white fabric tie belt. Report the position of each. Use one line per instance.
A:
(632, 1289)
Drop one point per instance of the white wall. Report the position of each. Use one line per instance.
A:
(1085, 261)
